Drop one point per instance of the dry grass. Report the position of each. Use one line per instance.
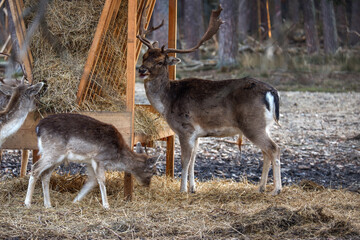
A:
(220, 209)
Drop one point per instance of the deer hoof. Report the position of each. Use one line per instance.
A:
(261, 189)
(192, 189)
(276, 192)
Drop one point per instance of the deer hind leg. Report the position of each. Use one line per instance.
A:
(100, 177)
(89, 185)
(191, 168)
(45, 179)
(42, 166)
(271, 153)
(186, 152)
(265, 173)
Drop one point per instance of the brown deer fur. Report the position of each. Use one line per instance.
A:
(82, 139)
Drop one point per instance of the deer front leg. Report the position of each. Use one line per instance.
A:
(191, 168)
(100, 176)
(186, 152)
(89, 185)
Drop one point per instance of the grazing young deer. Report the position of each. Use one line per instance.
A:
(82, 139)
(16, 101)
(196, 108)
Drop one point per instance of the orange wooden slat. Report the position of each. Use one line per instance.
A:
(172, 34)
(130, 84)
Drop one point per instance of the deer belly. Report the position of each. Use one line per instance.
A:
(225, 132)
(220, 132)
(80, 158)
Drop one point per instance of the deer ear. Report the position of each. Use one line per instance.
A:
(34, 89)
(7, 90)
(172, 61)
(151, 162)
(155, 44)
(139, 148)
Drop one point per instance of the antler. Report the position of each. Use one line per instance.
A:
(214, 25)
(143, 32)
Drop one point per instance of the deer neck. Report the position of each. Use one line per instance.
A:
(156, 90)
(12, 118)
(129, 162)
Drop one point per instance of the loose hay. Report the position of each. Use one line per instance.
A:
(220, 209)
(60, 62)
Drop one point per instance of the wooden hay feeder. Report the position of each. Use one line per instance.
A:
(106, 69)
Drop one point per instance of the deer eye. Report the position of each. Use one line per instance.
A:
(160, 63)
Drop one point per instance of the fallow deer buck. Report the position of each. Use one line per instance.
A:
(196, 108)
(16, 101)
(82, 139)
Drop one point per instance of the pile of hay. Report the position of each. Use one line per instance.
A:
(60, 53)
(221, 209)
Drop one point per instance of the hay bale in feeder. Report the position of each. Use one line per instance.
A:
(60, 57)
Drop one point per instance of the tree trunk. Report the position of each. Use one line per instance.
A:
(228, 36)
(312, 40)
(293, 11)
(161, 12)
(193, 25)
(253, 17)
(341, 22)
(329, 26)
(354, 36)
(277, 19)
(243, 19)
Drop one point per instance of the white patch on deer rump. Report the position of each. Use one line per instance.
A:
(269, 114)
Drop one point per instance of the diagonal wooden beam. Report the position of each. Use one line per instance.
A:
(101, 29)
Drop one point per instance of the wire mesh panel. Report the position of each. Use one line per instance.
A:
(105, 71)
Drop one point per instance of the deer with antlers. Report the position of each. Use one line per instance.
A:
(196, 108)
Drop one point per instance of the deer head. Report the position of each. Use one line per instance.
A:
(156, 59)
(144, 172)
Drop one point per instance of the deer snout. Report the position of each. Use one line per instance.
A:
(143, 71)
(144, 181)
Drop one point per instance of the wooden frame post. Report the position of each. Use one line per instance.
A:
(36, 156)
(24, 162)
(15, 17)
(130, 87)
(172, 75)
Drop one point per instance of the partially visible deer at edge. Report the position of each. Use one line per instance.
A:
(196, 108)
(82, 139)
(16, 101)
